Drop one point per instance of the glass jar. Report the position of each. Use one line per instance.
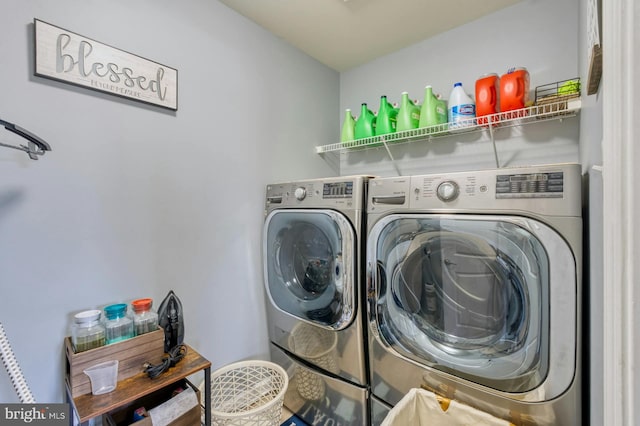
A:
(118, 325)
(87, 331)
(144, 319)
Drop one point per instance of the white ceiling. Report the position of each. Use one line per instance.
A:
(343, 34)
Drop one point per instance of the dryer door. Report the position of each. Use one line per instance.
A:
(474, 296)
(308, 265)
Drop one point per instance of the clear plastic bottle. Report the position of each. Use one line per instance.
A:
(87, 331)
(118, 325)
(462, 109)
(144, 319)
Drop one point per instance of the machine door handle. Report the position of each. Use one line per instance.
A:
(389, 199)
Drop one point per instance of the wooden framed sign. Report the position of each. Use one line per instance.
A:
(66, 56)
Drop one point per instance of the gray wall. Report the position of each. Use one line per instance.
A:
(134, 200)
(541, 35)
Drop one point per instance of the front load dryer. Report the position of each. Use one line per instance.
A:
(475, 288)
(313, 259)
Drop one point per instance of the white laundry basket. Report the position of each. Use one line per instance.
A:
(248, 393)
(422, 407)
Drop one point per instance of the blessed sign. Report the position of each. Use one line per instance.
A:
(72, 58)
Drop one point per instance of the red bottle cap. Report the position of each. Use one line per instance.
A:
(141, 305)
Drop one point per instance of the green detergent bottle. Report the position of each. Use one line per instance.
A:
(428, 115)
(387, 117)
(348, 127)
(366, 123)
(408, 114)
(442, 115)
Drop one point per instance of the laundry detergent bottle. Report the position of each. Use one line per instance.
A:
(348, 127)
(408, 114)
(366, 123)
(428, 110)
(442, 115)
(462, 109)
(514, 89)
(487, 93)
(387, 117)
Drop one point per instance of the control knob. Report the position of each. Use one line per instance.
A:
(448, 191)
(300, 193)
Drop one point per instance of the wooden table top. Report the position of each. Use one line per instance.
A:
(128, 390)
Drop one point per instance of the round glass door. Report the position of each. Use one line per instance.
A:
(466, 295)
(308, 258)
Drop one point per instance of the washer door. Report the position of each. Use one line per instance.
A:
(472, 296)
(308, 262)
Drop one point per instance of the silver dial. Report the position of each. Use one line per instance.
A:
(448, 191)
(300, 193)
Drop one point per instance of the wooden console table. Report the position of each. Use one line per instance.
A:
(129, 390)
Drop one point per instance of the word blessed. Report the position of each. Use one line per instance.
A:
(66, 63)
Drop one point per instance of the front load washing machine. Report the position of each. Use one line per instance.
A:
(313, 258)
(475, 291)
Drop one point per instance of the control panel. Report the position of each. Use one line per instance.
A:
(530, 185)
(553, 190)
(337, 190)
(331, 193)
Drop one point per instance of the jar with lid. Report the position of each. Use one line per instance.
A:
(87, 331)
(144, 319)
(118, 325)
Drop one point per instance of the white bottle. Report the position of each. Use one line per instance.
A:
(462, 109)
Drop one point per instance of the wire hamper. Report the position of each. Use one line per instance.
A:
(248, 393)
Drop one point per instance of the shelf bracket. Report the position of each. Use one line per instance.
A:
(493, 142)
(393, 160)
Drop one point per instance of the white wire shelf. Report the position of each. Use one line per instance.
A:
(563, 108)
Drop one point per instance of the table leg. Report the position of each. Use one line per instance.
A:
(207, 396)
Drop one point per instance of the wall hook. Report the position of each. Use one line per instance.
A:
(36, 146)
